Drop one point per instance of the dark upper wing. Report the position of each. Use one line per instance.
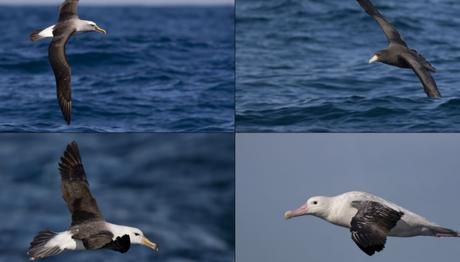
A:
(75, 187)
(120, 244)
(371, 224)
(61, 68)
(97, 240)
(429, 85)
(68, 10)
(390, 31)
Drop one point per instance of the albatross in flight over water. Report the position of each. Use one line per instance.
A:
(399, 54)
(89, 230)
(68, 24)
(370, 219)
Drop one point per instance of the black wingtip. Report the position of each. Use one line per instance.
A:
(73, 144)
(70, 159)
(435, 95)
(65, 104)
(72, 151)
(66, 108)
(67, 118)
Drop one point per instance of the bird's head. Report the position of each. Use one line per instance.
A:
(317, 206)
(136, 236)
(377, 57)
(91, 26)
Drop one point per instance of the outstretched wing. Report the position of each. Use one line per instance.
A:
(61, 68)
(75, 187)
(429, 85)
(390, 31)
(371, 224)
(68, 10)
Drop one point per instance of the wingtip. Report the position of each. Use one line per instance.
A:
(71, 155)
(435, 95)
(67, 118)
(65, 104)
(67, 112)
(72, 149)
(73, 144)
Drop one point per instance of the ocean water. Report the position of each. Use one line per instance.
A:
(158, 69)
(302, 67)
(178, 189)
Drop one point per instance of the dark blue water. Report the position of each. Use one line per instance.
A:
(302, 66)
(179, 189)
(158, 69)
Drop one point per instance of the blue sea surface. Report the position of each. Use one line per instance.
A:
(302, 66)
(158, 69)
(178, 189)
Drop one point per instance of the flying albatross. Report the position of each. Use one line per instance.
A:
(370, 219)
(68, 24)
(89, 230)
(398, 53)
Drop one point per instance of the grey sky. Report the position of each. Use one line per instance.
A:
(277, 172)
(132, 2)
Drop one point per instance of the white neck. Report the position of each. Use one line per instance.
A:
(82, 25)
(118, 230)
(340, 212)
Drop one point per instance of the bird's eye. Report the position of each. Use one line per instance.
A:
(315, 202)
(136, 234)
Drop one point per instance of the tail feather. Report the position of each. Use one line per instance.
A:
(35, 35)
(38, 248)
(444, 232)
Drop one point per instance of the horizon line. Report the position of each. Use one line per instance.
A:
(128, 4)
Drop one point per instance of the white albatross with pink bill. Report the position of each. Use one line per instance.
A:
(370, 219)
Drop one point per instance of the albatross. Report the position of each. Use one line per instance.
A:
(399, 54)
(89, 230)
(68, 24)
(370, 219)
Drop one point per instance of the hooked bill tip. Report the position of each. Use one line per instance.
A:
(373, 59)
(287, 214)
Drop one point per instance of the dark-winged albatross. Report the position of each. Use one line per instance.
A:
(398, 53)
(68, 24)
(89, 230)
(370, 219)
